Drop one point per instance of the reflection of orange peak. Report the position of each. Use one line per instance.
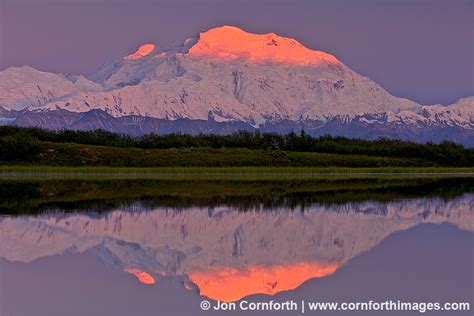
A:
(230, 284)
(142, 51)
(142, 276)
(230, 43)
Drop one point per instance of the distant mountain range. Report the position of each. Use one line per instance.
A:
(221, 81)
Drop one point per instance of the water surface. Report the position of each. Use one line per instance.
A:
(158, 247)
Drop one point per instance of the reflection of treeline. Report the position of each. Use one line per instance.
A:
(97, 196)
(24, 144)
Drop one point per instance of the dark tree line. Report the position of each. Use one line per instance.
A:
(26, 141)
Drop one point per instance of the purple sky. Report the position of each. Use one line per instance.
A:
(422, 50)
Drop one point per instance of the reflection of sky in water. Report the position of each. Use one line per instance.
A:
(227, 255)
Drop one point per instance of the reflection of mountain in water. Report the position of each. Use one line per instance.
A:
(34, 197)
(210, 248)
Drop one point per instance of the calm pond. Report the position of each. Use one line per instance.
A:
(148, 247)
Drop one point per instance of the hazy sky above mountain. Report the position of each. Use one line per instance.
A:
(422, 50)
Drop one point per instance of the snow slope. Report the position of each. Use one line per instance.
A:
(26, 87)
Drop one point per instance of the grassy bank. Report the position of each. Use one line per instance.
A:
(99, 148)
(71, 154)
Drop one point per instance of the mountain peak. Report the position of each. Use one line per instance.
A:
(142, 51)
(18, 69)
(232, 43)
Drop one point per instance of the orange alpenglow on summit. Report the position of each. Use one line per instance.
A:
(230, 284)
(232, 43)
(142, 276)
(142, 51)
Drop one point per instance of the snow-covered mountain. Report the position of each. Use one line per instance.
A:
(27, 88)
(207, 249)
(226, 75)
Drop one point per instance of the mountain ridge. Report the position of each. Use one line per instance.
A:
(228, 75)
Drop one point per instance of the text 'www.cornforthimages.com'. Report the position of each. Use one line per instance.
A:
(308, 307)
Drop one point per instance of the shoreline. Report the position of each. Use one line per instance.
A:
(22, 172)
